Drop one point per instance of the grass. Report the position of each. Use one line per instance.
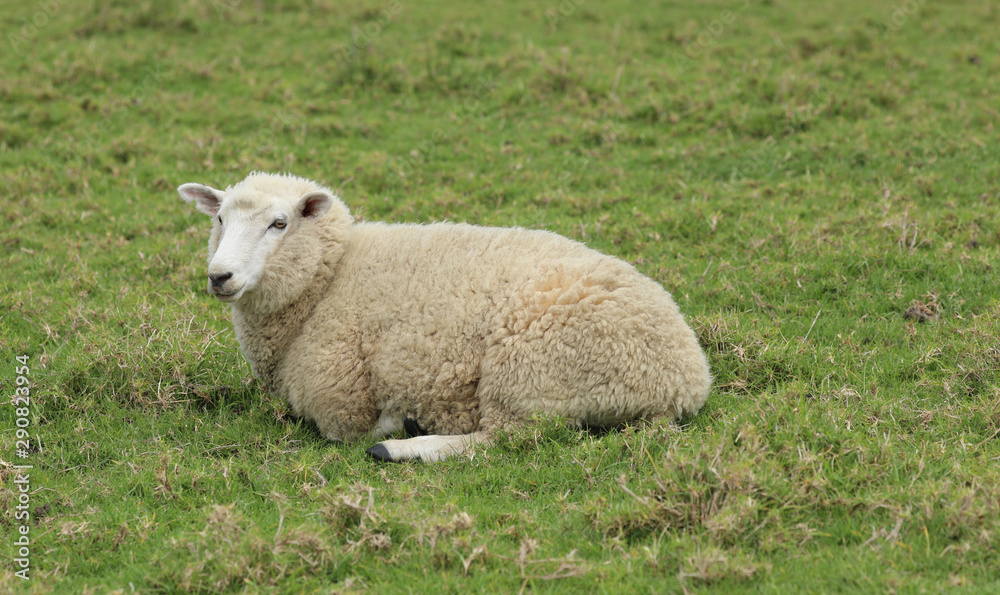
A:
(820, 192)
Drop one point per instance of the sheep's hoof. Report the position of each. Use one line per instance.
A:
(380, 453)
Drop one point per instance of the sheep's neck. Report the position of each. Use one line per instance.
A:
(266, 329)
(264, 336)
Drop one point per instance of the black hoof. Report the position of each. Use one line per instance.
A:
(380, 453)
(412, 428)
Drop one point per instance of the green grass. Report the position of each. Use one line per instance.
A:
(799, 176)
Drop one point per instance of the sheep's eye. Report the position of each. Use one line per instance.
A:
(279, 224)
(220, 219)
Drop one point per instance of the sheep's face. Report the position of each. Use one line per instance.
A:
(248, 229)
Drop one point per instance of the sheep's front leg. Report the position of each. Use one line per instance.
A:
(428, 448)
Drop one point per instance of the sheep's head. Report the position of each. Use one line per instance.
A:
(251, 223)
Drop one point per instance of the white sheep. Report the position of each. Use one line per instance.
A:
(367, 327)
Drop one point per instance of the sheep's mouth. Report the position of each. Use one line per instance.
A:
(228, 296)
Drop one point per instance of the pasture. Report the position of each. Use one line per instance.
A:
(818, 186)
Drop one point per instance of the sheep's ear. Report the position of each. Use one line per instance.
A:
(206, 199)
(313, 205)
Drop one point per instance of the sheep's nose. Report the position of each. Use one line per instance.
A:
(218, 280)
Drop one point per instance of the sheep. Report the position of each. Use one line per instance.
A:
(458, 330)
